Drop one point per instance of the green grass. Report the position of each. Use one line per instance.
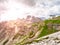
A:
(47, 31)
(52, 21)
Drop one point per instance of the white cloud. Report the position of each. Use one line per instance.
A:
(15, 10)
(41, 8)
(48, 7)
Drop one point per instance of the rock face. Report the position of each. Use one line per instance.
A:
(21, 27)
(53, 39)
(33, 19)
(54, 26)
(9, 28)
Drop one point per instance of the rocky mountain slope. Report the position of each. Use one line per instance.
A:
(13, 30)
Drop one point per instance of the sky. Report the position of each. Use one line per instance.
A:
(13, 9)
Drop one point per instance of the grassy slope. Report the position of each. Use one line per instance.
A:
(45, 31)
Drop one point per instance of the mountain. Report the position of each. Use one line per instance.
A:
(33, 19)
(20, 27)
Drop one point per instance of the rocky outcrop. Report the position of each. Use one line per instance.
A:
(53, 39)
(33, 19)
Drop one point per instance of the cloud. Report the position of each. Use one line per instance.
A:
(3, 7)
(15, 10)
(27, 2)
(47, 7)
(43, 8)
(38, 8)
(2, 1)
